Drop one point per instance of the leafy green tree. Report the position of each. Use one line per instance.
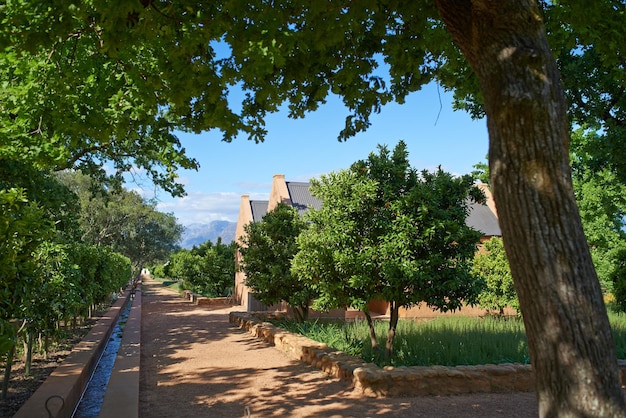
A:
(124, 221)
(386, 232)
(58, 202)
(78, 109)
(186, 267)
(618, 277)
(207, 269)
(219, 266)
(601, 198)
(493, 267)
(337, 250)
(481, 173)
(267, 249)
(592, 72)
(166, 72)
(23, 229)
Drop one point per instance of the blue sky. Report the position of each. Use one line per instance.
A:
(305, 148)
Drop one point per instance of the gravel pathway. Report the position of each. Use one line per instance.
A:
(194, 363)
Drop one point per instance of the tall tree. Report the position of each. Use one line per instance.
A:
(216, 263)
(493, 267)
(123, 220)
(162, 60)
(386, 232)
(267, 249)
(559, 293)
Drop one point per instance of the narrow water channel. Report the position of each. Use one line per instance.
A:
(91, 401)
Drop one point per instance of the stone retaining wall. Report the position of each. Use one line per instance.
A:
(371, 380)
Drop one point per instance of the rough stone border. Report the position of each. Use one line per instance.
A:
(197, 299)
(371, 380)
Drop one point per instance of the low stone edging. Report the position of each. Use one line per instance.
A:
(63, 388)
(197, 299)
(372, 380)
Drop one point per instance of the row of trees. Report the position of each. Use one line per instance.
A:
(67, 243)
(387, 232)
(384, 232)
(90, 82)
(207, 269)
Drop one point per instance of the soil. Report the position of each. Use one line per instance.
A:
(195, 363)
(21, 387)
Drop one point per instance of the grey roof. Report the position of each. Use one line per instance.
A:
(301, 197)
(259, 209)
(483, 219)
(480, 216)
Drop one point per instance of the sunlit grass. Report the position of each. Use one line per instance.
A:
(172, 284)
(618, 326)
(446, 341)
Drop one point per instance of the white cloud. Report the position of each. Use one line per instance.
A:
(198, 207)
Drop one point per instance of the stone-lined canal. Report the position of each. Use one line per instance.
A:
(93, 396)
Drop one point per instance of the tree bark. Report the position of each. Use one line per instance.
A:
(569, 337)
(370, 325)
(394, 311)
(7, 372)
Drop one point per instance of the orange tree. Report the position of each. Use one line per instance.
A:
(387, 232)
(267, 249)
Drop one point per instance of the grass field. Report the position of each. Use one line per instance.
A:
(447, 341)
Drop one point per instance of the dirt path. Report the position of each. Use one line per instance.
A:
(194, 363)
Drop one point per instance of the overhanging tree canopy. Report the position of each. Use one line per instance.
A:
(168, 75)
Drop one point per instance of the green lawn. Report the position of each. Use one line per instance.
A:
(447, 341)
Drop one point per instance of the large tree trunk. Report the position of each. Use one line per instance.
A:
(569, 337)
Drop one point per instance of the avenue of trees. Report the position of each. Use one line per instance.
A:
(65, 247)
(90, 83)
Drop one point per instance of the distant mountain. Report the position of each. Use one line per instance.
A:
(196, 234)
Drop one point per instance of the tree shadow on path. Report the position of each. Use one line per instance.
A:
(194, 363)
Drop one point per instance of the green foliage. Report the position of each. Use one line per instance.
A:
(58, 202)
(23, 228)
(618, 277)
(618, 329)
(187, 267)
(123, 220)
(337, 253)
(447, 341)
(208, 269)
(601, 198)
(117, 80)
(69, 106)
(387, 232)
(492, 267)
(218, 267)
(586, 44)
(267, 250)
(481, 173)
